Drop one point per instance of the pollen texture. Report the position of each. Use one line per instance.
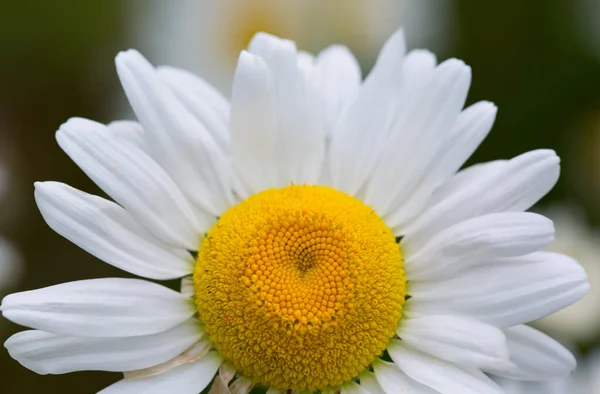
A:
(300, 287)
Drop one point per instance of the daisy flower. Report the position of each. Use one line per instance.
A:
(326, 238)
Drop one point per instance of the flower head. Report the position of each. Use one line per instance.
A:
(324, 233)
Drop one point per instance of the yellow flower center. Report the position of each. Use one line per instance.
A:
(301, 287)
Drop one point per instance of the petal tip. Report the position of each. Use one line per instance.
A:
(128, 54)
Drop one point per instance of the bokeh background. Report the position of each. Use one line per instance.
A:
(538, 60)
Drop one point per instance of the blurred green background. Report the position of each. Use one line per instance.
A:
(539, 61)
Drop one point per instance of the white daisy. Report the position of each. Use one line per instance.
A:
(326, 239)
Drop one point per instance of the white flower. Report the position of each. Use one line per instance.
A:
(326, 226)
(580, 321)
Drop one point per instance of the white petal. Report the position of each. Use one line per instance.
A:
(189, 378)
(205, 102)
(536, 355)
(218, 386)
(519, 184)
(129, 131)
(417, 69)
(134, 180)
(463, 178)
(306, 65)
(254, 123)
(300, 113)
(419, 133)
(369, 382)
(178, 141)
(226, 373)
(440, 375)
(353, 388)
(456, 339)
(469, 130)
(47, 353)
(338, 78)
(483, 238)
(278, 53)
(405, 83)
(195, 352)
(505, 292)
(109, 232)
(242, 385)
(199, 88)
(199, 96)
(110, 307)
(187, 286)
(362, 131)
(394, 381)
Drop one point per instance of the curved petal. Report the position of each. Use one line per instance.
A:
(202, 100)
(536, 355)
(461, 179)
(513, 186)
(363, 129)
(394, 381)
(254, 123)
(416, 71)
(107, 231)
(109, 307)
(420, 130)
(300, 112)
(483, 238)
(369, 382)
(47, 353)
(134, 180)
(242, 385)
(471, 127)
(306, 64)
(440, 375)
(353, 388)
(195, 352)
(505, 292)
(178, 141)
(187, 286)
(456, 339)
(338, 79)
(129, 131)
(199, 88)
(189, 378)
